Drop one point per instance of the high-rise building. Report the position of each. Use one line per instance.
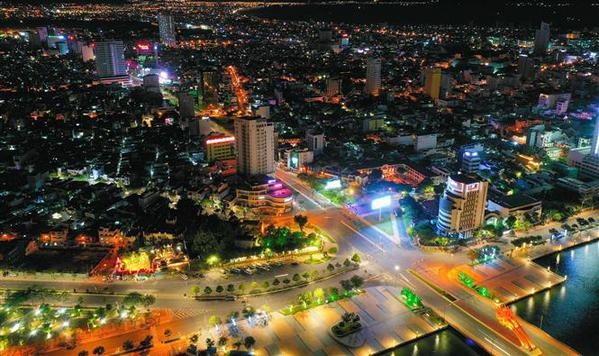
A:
(151, 83)
(110, 59)
(595, 140)
(462, 207)
(432, 82)
(373, 76)
(255, 146)
(219, 148)
(542, 36)
(166, 28)
(526, 67)
(186, 106)
(208, 85)
(333, 87)
(315, 141)
(470, 157)
(87, 53)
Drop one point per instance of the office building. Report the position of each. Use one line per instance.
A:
(315, 141)
(208, 84)
(542, 39)
(526, 67)
(110, 59)
(432, 82)
(333, 87)
(87, 53)
(166, 28)
(299, 157)
(219, 148)
(470, 157)
(255, 146)
(462, 207)
(595, 140)
(151, 83)
(373, 76)
(186, 106)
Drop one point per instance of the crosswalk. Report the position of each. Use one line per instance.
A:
(185, 313)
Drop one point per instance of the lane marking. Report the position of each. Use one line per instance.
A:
(363, 236)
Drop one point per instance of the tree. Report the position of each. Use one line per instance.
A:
(128, 345)
(276, 282)
(296, 277)
(194, 338)
(207, 290)
(330, 267)
(346, 263)
(249, 342)
(195, 290)
(301, 221)
(357, 281)
(209, 343)
(318, 294)
(265, 284)
(286, 281)
(148, 300)
(222, 341)
(510, 222)
(241, 287)
(168, 333)
(219, 289)
(147, 342)
(237, 344)
(346, 284)
(99, 350)
(356, 258)
(83, 353)
(230, 288)
(375, 175)
(133, 298)
(214, 320)
(306, 275)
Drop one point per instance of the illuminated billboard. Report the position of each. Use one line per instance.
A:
(333, 184)
(381, 202)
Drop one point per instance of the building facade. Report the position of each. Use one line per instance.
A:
(462, 207)
(110, 59)
(220, 148)
(255, 146)
(166, 28)
(373, 76)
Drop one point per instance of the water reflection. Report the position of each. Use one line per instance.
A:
(569, 312)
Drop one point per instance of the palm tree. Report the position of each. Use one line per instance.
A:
(222, 341)
(209, 343)
(128, 345)
(301, 221)
(147, 342)
(99, 350)
(249, 342)
(194, 338)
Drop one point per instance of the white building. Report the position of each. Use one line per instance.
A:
(296, 158)
(255, 146)
(462, 207)
(166, 28)
(425, 142)
(110, 59)
(373, 76)
(315, 141)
